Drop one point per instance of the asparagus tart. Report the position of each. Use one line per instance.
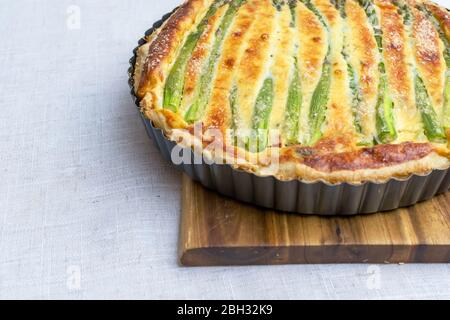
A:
(340, 91)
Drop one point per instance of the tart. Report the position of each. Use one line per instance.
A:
(344, 91)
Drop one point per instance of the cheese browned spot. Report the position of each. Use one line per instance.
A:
(339, 115)
(282, 65)
(369, 158)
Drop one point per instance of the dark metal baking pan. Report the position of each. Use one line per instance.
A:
(297, 196)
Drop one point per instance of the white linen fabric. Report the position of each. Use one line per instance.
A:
(88, 208)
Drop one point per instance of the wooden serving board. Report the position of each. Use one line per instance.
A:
(219, 231)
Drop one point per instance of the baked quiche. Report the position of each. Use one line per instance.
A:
(339, 90)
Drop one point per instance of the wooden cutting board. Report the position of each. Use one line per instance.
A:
(219, 231)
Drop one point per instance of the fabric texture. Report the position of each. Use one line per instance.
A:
(88, 208)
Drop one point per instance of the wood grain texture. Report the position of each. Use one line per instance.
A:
(219, 231)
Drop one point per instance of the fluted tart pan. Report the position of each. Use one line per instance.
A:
(296, 196)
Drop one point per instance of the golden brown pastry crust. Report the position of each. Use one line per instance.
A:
(260, 31)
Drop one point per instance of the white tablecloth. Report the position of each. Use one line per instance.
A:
(88, 209)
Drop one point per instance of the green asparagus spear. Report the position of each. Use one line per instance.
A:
(261, 116)
(292, 7)
(385, 105)
(204, 87)
(432, 126)
(356, 95)
(173, 91)
(319, 103)
(321, 95)
(294, 104)
(384, 113)
(440, 31)
(371, 13)
(233, 100)
(278, 4)
(353, 82)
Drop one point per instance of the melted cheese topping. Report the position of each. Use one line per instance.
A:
(219, 112)
(252, 62)
(282, 65)
(313, 40)
(400, 74)
(364, 59)
(340, 122)
(256, 61)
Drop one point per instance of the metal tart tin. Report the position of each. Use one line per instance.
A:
(318, 198)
